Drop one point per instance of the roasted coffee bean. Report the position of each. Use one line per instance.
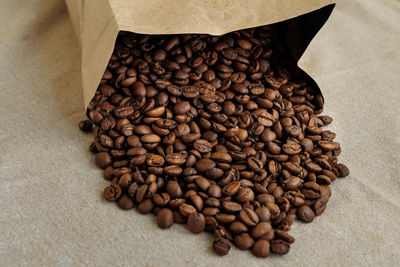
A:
(231, 206)
(305, 213)
(231, 189)
(125, 181)
(182, 108)
(255, 164)
(244, 241)
(161, 199)
(221, 246)
(283, 235)
(186, 209)
(175, 158)
(261, 248)
(150, 138)
(221, 156)
(173, 189)
(202, 146)
(263, 214)
(173, 170)
(196, 222)
(165, 218)
(223, 218)
(343, 170)
(103, 160)
(215, 191)
(261, 229)
(238, 228)
(125, 202)
(155, 160)
(215, 132)
(249, 217)
(280, 247)
(245, 195)
(205, 164)
(112, 192)
(85, 126)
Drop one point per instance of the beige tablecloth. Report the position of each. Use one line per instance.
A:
(51, 210)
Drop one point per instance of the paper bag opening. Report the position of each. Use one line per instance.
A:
(98, 23)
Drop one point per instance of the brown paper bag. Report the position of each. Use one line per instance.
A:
(98, 22)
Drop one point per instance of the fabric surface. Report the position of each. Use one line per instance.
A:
(51, 210)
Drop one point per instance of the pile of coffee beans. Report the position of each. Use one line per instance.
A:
(221, 133)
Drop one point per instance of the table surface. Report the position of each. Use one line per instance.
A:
(51, 210)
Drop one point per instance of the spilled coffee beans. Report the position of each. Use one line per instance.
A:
(222, 133)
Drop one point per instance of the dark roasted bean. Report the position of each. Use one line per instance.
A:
(215, 132)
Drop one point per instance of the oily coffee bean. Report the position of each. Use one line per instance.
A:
(222, 133)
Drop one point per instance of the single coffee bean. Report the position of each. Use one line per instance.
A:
(245, 195)
(282, 235)
(125, 202)
(196, 222)
(175, 159)
(221, 246)
(85, 126)
(173, 170)
(173, 189)
(146, 206)
(155, 160)
(203, 183)
(186, 209)
(112, 192)
(215, 191)
(156, 112)
(161, 199)
(150, 138)
(221, 157)
(165, 218)
(261, 248)
(248, 217)
(202, 146)
(263, 214)
(231, 189)
(261, 229)
(244, 241)
(211, 224)
(279, 247)
(231, 207)
(343, 170)
(305, 213)
(103, 160)
(182, 108)
(205, 164)
(143, 129)
(223, 218)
